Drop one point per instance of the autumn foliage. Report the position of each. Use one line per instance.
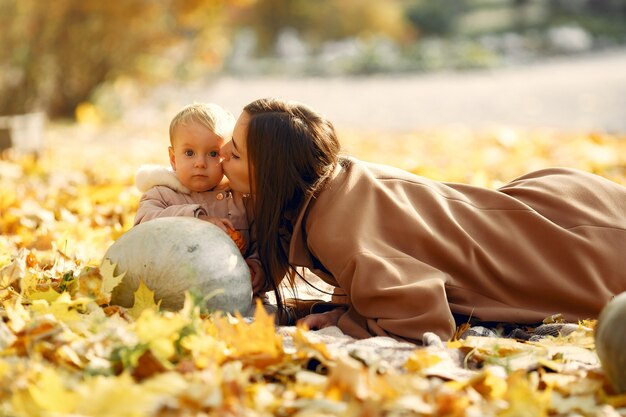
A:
(55, 54)
(65, 351)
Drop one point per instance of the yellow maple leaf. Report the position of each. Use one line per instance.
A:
(109, 279)
(14, 270)
(421, 359)
(205, 349)
(5, 368)
(349, 375)
(46, 396)
(305, 346)
(115, 396)
(28, 284)
(5, 252)
(144, 300)
(160, 332)
(451, 403)
(67, 310)
(17, 314)
(256, 342)
(489, 383)
(523, 399)
(49, 295)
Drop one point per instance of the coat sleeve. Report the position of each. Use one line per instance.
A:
(153, 204)
(399, 297)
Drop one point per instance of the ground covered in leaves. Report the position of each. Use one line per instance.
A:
(64, 351)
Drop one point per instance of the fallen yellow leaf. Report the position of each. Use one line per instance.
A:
(144, 300)
(109, 279)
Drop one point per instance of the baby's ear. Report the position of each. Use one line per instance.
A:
(170, 150)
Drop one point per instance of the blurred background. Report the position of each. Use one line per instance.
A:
(104, 60)
(475, 91)
(94, 70)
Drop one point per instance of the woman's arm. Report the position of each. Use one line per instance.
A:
(399, 297)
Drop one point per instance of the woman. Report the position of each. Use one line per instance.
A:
(408, 254)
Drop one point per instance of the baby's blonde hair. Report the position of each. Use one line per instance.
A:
(210, 115)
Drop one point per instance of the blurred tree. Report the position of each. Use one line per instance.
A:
(53, 54)
(435, 17)
(601, 18)
(323, 20)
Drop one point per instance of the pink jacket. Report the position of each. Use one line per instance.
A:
(408, 252)
(165, 196)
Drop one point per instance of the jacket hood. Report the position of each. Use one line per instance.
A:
(148, 176)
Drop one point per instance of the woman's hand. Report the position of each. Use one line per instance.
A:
(322, 320)
(256, 275)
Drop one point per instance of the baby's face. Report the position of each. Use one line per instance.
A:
(195, 157)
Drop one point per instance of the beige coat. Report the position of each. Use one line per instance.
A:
(408, 252)
(164, 196)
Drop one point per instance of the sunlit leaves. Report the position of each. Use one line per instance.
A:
(490, 157)
(65, 351)
(45, 394)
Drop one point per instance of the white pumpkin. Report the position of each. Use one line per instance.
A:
(173, 255)
(610, 337)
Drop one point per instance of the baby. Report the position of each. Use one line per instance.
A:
(193, 186)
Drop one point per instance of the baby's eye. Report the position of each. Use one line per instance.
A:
(188, 152)
(213, 154)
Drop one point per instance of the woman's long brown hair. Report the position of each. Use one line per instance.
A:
(291, 151)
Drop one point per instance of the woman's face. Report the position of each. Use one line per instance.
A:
(235, 156)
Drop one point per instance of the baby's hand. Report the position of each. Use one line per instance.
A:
(222, 223)
(256, 275)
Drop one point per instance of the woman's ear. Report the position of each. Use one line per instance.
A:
(172, 158)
